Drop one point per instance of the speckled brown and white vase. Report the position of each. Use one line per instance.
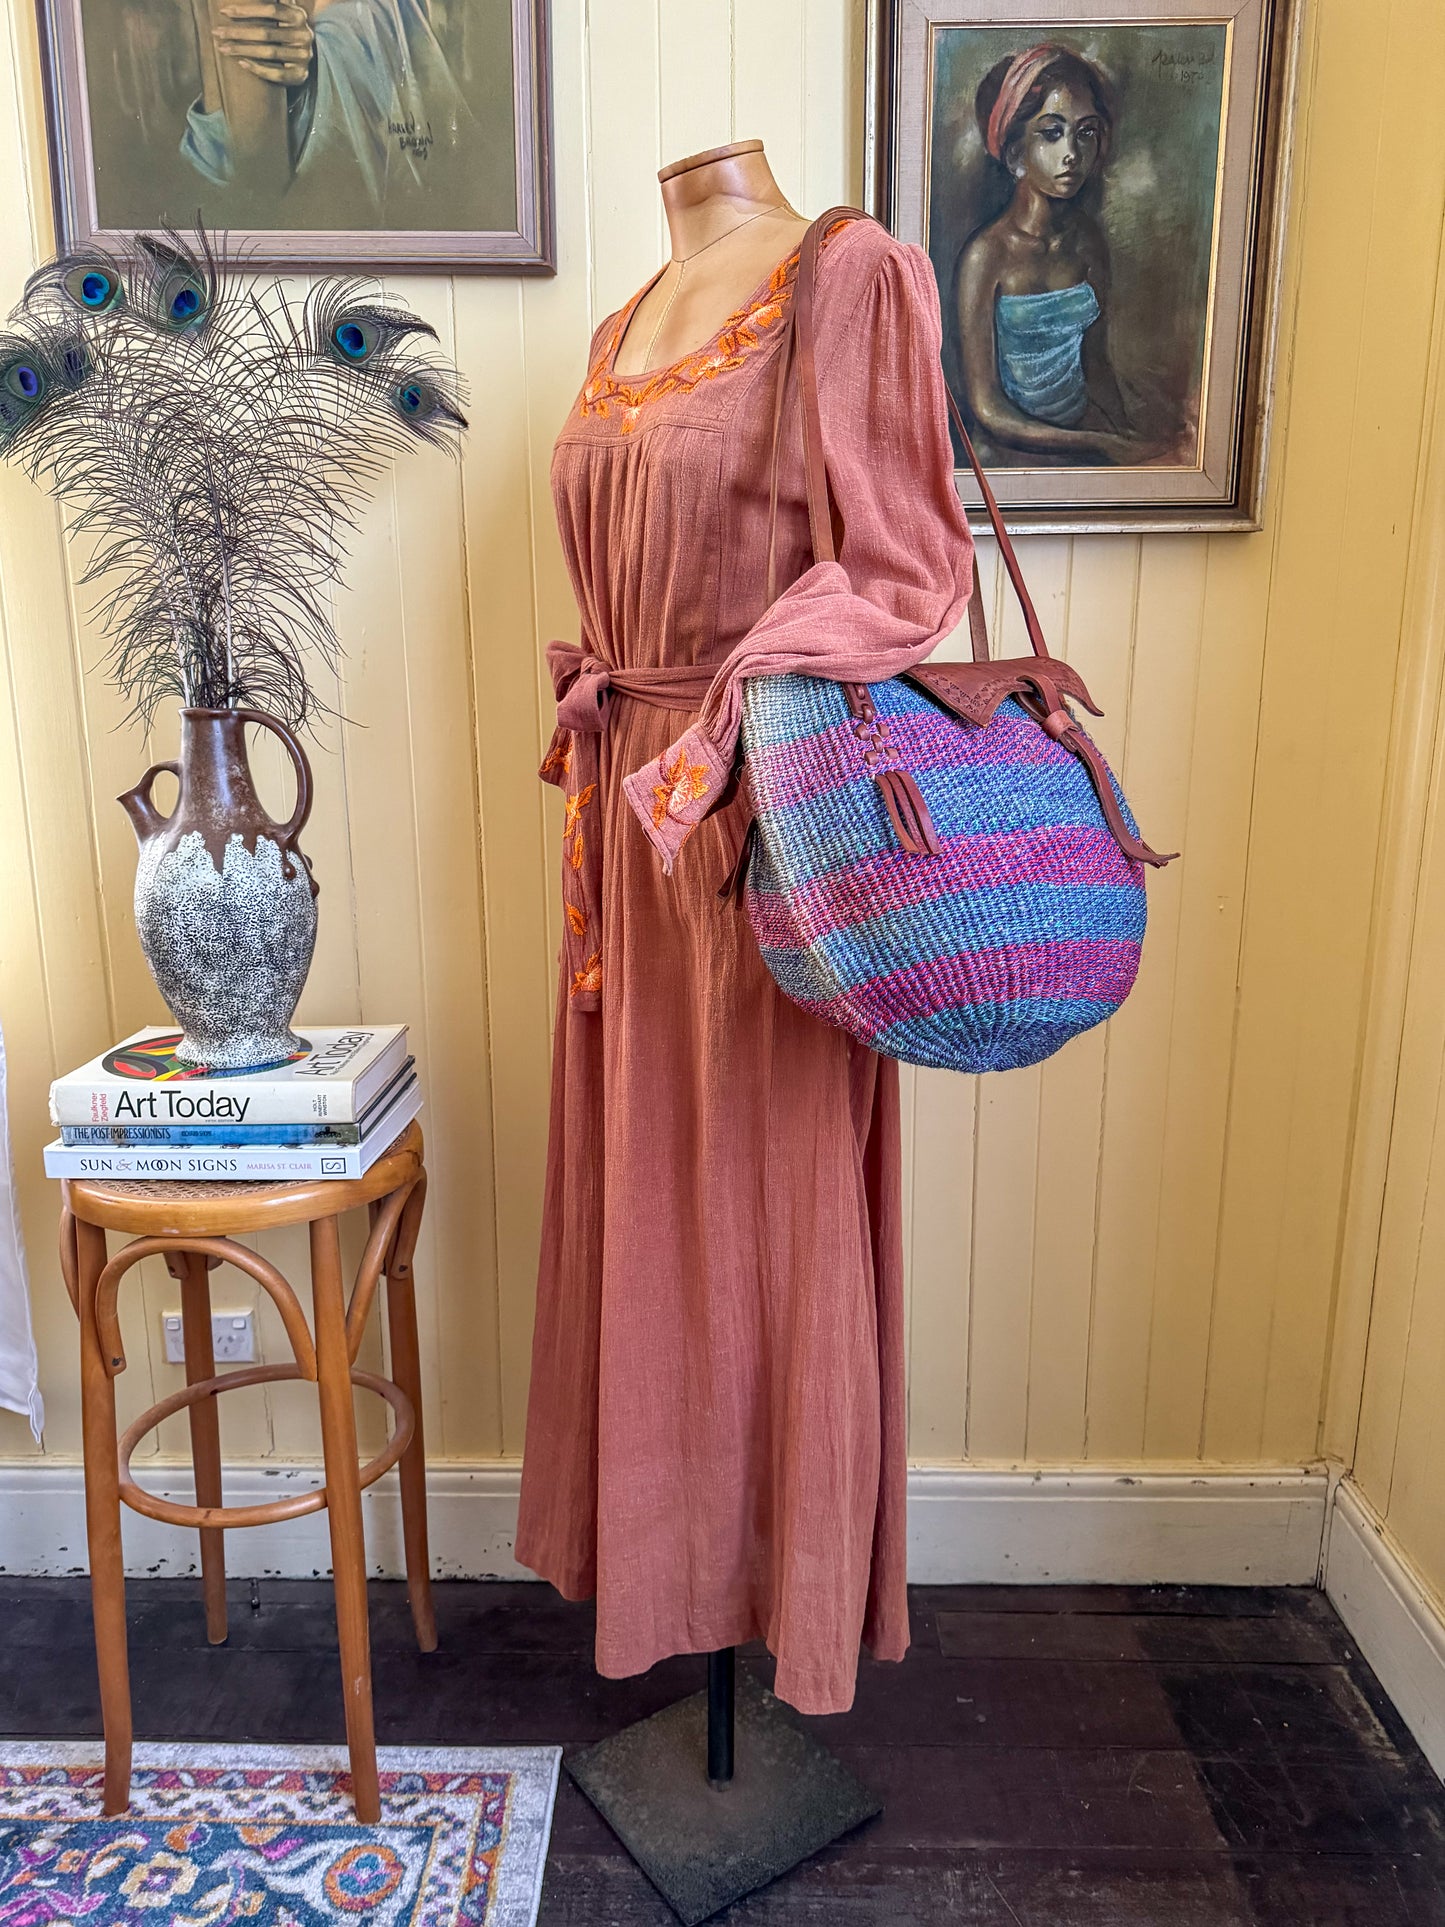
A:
(225, 905)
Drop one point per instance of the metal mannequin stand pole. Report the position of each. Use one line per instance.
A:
(722, 1715)
(721, 1793)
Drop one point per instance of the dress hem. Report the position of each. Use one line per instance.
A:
(808, 1690)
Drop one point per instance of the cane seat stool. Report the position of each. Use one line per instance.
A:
(195, 1226)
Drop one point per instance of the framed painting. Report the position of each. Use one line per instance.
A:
(1101, 191)
(368, 133)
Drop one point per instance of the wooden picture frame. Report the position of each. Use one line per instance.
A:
(417, 137)
(1177, 115)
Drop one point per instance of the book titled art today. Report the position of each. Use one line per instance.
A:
(140, 1082)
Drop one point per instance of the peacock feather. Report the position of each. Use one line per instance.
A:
(216, 444)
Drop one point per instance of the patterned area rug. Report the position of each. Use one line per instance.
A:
(266, 1836)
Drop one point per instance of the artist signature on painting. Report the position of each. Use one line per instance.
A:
(412, 136)
(1186, 68)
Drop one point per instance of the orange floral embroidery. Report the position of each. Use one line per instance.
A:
(557, 762)
(743, 331)
(576, 919)
(682, 783)
(575, 806)
(590, 977)
(572, 828)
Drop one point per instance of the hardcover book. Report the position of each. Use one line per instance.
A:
(203, 1137)
(142, 1082)
(271, 1164)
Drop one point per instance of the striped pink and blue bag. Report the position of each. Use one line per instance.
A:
(941, 864)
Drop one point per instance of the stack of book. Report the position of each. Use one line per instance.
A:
(138, 1111)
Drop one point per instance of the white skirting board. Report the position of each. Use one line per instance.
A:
(1397, 1623)
(965, 1525)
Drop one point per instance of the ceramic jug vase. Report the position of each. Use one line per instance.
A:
(225, 905)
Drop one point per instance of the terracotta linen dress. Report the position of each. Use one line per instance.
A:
(715, 1439)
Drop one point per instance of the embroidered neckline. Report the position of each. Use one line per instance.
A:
(744, 330)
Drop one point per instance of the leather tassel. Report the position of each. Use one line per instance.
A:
(1073, 738)
(908, 813)
(1051, 716)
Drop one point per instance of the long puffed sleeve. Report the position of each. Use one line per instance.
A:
(905, 561)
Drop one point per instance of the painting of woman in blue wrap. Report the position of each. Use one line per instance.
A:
(309, 125)
(1074, 249)
(1102, 188)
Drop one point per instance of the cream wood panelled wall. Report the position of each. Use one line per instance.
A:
(1385, 1420)
(1131, 1254)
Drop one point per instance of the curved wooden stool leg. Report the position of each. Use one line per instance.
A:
(343, 1502)
(191, 1270)
(102, 1524)
(406, 1371)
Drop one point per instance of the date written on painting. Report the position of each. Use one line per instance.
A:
(412, 136)
(1187, 67)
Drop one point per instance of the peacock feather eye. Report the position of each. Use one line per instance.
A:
(93, 286)
(422, 403)
(354, 339)
(25, 379)
(24, 385)
(353, 332)
(175, 291)
(75, 360)
(182, 301)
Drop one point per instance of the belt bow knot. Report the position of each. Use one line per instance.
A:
(584, 690)
(586, 687)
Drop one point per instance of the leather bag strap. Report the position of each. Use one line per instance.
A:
(906, 807)
(799, 345)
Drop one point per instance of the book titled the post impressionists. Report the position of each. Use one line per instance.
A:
(142, 1082)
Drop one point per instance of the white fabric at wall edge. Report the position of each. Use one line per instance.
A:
(19, 1366)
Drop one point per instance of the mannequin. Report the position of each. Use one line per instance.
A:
(716, 1441)
(730, 225)
(721, 1792)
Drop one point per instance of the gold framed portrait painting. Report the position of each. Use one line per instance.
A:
(1101, 192)
(369, 133)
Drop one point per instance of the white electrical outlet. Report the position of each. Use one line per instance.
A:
(233, 1337)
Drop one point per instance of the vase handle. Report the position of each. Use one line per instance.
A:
(287, 833)
(145, 818)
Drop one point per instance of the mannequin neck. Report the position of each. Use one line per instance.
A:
(707, 195)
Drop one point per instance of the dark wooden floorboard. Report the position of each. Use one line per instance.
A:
(1047, 1757)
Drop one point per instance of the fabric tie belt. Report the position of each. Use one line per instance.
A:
(585, 686)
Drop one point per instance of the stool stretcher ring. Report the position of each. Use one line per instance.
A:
(274, 1510)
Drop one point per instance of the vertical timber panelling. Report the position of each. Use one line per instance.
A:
(1398, 1437)
(1127, 1254)
(1400, 1458)
(1334, 608)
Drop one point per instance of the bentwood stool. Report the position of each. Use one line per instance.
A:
(195, 1225)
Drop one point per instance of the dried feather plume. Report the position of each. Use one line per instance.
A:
(218, 443)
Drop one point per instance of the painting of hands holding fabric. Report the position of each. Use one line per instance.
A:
(356, 114)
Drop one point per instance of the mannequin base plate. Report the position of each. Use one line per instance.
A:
(704, 1846)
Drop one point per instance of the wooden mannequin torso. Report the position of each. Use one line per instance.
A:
(717, 261)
